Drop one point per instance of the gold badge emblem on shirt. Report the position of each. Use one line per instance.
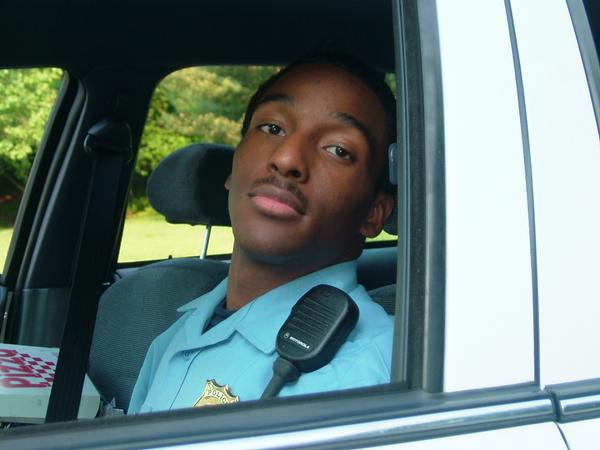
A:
(215, 394)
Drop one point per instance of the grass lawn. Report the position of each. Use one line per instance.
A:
(148, 236)
(5, 234)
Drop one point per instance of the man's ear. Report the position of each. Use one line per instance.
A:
(382, 207)
(228, 182)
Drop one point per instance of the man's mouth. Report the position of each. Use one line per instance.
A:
(276, 200)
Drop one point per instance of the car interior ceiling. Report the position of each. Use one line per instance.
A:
(91, 34)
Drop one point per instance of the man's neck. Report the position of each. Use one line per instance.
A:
(250, 277)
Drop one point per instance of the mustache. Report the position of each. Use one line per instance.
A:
(289, 186)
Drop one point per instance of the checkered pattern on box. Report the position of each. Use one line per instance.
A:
(45, 369)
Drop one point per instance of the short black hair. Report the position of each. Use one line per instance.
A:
(364, 72)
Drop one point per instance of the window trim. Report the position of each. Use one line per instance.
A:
(578, 400)
(360, 417)
(421, 266)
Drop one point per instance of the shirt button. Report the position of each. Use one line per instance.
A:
(187, 355)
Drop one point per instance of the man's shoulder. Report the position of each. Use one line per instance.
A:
(365, 358)
(369, 310)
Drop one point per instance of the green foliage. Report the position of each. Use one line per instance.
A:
(390, 79)
(26, 98)
(203, 104)
(198, 104)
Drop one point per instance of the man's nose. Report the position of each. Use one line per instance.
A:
(290, 158)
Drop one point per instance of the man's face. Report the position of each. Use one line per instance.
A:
(302, 188)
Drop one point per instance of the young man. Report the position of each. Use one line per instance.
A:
(306, 189)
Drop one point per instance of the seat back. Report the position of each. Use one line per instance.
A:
(385, 296)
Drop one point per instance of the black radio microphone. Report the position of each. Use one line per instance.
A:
(317, 327)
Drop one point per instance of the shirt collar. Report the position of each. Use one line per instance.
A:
(271, 308)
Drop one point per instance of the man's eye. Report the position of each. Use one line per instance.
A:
(271, 128)
(338, 151)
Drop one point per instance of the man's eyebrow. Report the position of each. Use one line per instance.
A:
(277, 98)
(349, 119)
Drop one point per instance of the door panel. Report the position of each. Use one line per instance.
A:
(584, 435)
(489, 293)
(565, 157)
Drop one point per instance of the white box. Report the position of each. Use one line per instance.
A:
(26, 376)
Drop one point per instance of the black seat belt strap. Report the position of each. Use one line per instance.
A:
(109, 143)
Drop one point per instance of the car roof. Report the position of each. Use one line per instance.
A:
(177, 33)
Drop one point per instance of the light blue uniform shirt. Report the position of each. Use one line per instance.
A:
(240, 350)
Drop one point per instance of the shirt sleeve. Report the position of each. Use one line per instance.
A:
(142, 385)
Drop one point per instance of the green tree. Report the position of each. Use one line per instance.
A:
(198, 104)
(26, 98)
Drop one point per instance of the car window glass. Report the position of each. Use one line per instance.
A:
(193, 105)
(26, 98)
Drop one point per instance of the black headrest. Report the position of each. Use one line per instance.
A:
(188, 185)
